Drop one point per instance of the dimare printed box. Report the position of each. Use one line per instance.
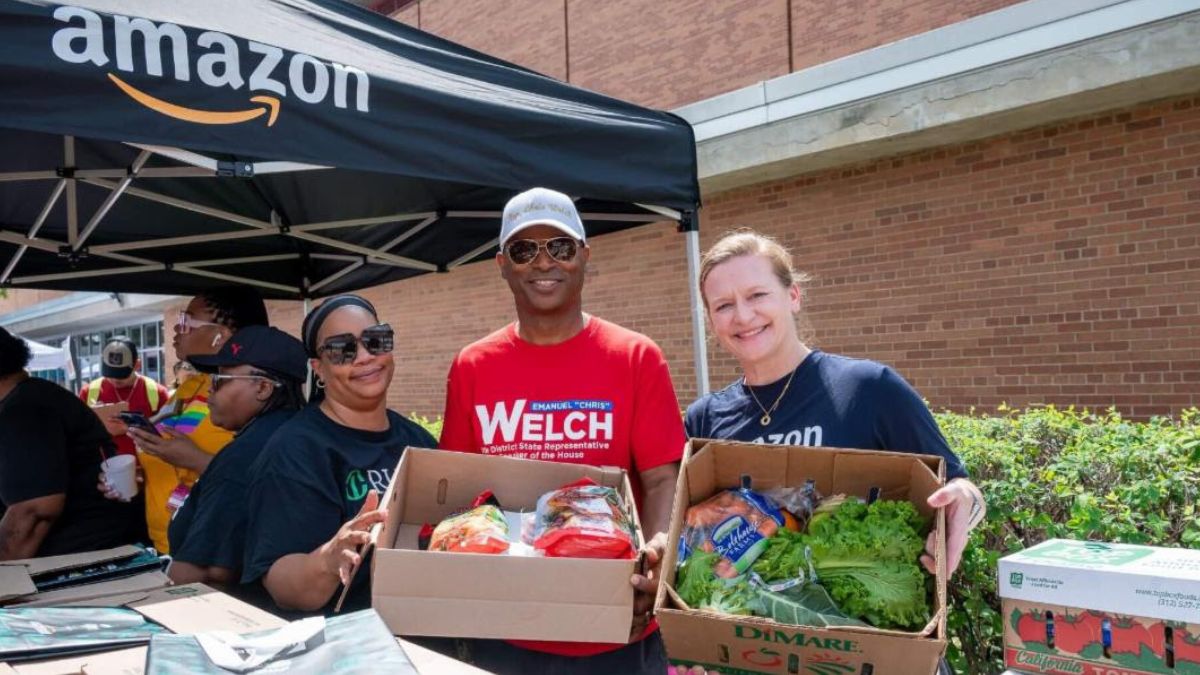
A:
(744, 645)
(1110, 609)
(494, 596)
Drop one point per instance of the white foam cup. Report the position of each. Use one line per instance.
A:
(120, 475)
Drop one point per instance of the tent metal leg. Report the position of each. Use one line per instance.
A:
(699, 338)
(306, 307)
(72, 201)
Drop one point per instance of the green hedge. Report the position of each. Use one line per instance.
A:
(1058, 473)
(1064, 473)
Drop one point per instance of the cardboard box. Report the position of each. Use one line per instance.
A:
(194, 608)
(493, 596)
(742, 644)
(17, 576)
(189, 608)
(1090, 607)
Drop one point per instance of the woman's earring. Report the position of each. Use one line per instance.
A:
(320, 383)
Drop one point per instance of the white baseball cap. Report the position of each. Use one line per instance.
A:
(540, 206)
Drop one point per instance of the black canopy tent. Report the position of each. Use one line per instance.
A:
(305, 147)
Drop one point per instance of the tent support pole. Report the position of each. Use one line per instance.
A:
(306, 307)
(72, 201)
(33, 231)
(690, 226)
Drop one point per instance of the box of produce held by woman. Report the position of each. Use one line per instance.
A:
(804, 560)
(1084, 607)
(495, 547)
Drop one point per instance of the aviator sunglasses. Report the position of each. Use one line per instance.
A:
(524, 251)
(342, 349)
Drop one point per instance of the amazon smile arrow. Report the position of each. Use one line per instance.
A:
(269, 107)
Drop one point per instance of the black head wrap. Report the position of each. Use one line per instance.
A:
(316, 318)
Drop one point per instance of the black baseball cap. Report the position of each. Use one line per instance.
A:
(117, 358)
(263, 347)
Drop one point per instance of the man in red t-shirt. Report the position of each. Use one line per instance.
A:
(563, 386)
(120, 383)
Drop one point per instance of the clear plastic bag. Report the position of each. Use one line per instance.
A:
(799, 501)
(482, 529)
(734, 524)
(583, 520)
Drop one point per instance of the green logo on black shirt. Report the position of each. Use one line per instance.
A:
(356, 486)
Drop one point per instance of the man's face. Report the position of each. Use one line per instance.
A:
(545, 285)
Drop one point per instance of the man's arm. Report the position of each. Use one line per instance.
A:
(658, 496)
(457, 433)
(25, 525)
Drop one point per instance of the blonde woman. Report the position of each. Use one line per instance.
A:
(790, 393)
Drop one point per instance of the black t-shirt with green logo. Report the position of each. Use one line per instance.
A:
(313, 476)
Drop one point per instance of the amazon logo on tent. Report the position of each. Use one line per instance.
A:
(220, 63)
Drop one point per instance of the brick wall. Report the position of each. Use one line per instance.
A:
(1056, 265)
(823, 30)
(1059, 264)
(668, 53)
(20, 298)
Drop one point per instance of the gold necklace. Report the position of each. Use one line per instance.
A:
(766, 418)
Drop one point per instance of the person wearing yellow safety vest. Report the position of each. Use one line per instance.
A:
(121, 383)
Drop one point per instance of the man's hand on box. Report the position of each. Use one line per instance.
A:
(646, 585)
(965, 509)
(340, 555)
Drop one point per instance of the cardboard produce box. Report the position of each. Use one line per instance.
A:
(746, 644)
(1112, 609)
(493, 596)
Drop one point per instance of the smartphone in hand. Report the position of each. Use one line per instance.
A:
(138, 421)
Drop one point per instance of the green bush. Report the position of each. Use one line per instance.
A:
(1064, 473)
(433, 426)
(1057, 473)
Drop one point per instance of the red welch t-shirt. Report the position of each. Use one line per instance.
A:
(135, 396)
(604, 398)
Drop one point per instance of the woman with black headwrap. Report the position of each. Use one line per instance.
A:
(316, 487)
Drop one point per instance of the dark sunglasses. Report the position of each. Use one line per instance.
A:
(343, 348)
(524, 251)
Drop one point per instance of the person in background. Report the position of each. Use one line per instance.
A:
(605, 387)
(121, 382)
(51, 447)
(187, 440)
(316, 487)
(181, 371)
(257, 381)
(792, 394)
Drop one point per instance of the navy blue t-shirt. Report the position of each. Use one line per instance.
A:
(210, 528)
(312, 477)
(833, 401)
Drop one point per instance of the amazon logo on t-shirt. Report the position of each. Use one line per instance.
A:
(810, 436)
